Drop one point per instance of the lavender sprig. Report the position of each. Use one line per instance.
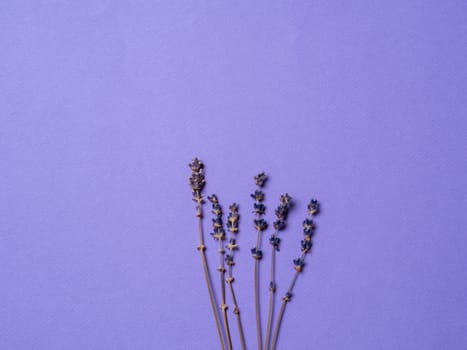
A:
(299, 263)
(219, 235)
(260, 225)
(232, 227)
(282, 211)
(197, 183)
(227, 250)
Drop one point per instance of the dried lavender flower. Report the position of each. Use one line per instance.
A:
(282, 211)
(313, 207)
(258, 196)
(227, 250)
(219, 235)
(232, 226)
(308, 226)
(306, 245)
(298, 263)
(285, 200)
(196, 180)
(260, 179)
(229, 260)
(197, 183)
(256, 253)
(196, 165)
(232, 245)
(233, 218)
(274, 240)
(259, 208)
(260, 225)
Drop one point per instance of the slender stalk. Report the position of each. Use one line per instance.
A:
(223, 305)
(202, 248)
(197, 183)
(272, 292)
(306, 244)
(232, 226)
(257, 306)
(280, 316)
(236, 311)
(260, 225)
(257, 257)
(219, 235)
(279, 224)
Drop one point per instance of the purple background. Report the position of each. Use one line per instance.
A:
(103, 103)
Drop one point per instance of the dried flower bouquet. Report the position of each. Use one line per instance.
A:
(227, 256)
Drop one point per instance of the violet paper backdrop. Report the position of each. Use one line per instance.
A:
(103, 104)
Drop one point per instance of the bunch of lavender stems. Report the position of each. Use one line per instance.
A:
(219, 235)
(306, 244)
(260, 225)
(197, 183)
(232, 227)
(281, 213)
